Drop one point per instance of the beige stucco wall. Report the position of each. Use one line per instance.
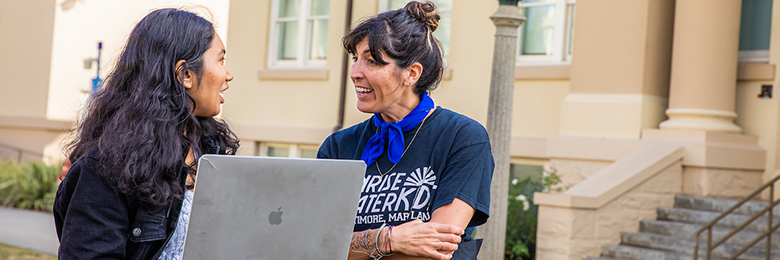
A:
(773, 157)
(621, 116)
(77, 30)
(658, 40)
(619, 86)
(537, 107)
(44, 82)
(620, 68)
(573, 171)
(723, 183)
(630, 56)
(270, 101)
(272, 109)
(69, 36)
(758, 117)
(614, 78)
(468, 90)
(26, 29)
(37, 144)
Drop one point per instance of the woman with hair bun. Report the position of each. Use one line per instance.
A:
(429, 169)
(129, 191)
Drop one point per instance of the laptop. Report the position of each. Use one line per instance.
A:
(273, 208)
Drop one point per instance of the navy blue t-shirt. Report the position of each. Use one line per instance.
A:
(449, 158)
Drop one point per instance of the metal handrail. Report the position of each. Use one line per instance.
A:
(768, 234)
(20, 151)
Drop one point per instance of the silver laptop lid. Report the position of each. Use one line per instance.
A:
(273, 208)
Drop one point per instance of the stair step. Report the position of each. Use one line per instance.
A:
(640, 253)
(599, 258)
(720, 205)
(671, 235)
(686, 230)
(703, 217)
(685, 245)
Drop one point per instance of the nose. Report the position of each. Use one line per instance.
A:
(355, 73)
(228, 78)
(229, 75)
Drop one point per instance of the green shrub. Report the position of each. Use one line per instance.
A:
(522, 213)
(28, 185)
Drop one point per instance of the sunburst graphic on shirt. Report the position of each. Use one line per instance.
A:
(420, 177)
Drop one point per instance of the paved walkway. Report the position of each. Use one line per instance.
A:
(32, 230)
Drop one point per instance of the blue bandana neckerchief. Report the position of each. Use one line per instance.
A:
(393, 133)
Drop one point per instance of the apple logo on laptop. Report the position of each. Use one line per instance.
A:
(275, 218)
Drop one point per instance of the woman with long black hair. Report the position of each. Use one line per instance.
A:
(129, 191)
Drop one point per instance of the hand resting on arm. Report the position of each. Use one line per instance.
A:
(436, 239)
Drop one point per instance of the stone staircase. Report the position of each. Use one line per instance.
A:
(670, 236)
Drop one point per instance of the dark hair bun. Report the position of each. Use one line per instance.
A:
(425, 13)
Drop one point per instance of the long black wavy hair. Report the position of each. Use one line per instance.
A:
(141, 121)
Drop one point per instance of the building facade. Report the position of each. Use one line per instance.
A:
(52, 48)
(630, 102)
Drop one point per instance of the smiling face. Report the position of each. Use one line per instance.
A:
(207, 89)
(385, 89)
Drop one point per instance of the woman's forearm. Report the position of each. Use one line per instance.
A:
(362, 245)
(411, 240)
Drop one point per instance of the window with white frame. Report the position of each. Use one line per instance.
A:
(546, 35)
(299, 33)
(520, 170)
(288, 150)
(754, 30)
(444, 7)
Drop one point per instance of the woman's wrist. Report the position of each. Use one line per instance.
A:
(390, 240)
(382, 240)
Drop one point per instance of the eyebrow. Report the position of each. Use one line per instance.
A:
(367, 51)
(223, 51)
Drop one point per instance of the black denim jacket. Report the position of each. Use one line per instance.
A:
(95, 221)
